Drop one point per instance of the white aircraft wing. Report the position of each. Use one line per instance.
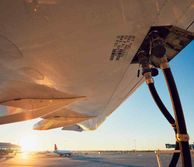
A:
(55, 52)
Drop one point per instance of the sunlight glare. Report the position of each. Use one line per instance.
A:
(29, 143)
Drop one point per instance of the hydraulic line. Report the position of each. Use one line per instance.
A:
(169, 118)
(147, 72)
(175, 156)
(182, 136)
(158, 50)
(160, 104)
(153, 52)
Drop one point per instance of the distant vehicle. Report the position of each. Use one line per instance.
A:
(65, 153)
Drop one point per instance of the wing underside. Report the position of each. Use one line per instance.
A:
(69, 62)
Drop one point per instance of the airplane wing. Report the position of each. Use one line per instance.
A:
(54, 52)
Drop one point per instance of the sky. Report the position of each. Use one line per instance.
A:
(136, 124)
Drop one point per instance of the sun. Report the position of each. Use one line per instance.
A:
(29, 143)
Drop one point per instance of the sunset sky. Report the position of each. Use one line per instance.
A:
(137, 123)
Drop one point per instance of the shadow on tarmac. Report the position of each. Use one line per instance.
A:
(100, 160)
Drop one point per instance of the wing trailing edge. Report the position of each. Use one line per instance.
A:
(55, 120)
(33, 108)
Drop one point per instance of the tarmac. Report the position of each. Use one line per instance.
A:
(97, 159)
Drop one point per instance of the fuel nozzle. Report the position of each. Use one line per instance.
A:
(147, 71)
(157, 44)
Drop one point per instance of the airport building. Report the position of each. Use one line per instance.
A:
(173, 146)
(6, 148)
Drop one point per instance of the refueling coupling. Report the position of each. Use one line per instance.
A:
(147, 70)
(158, 50)
(157, 44)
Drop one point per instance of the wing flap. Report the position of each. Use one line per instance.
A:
(55, 120)
(53, 105)
(73, 128)
(31, 104)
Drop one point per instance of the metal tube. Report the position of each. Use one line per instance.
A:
(182, 136)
